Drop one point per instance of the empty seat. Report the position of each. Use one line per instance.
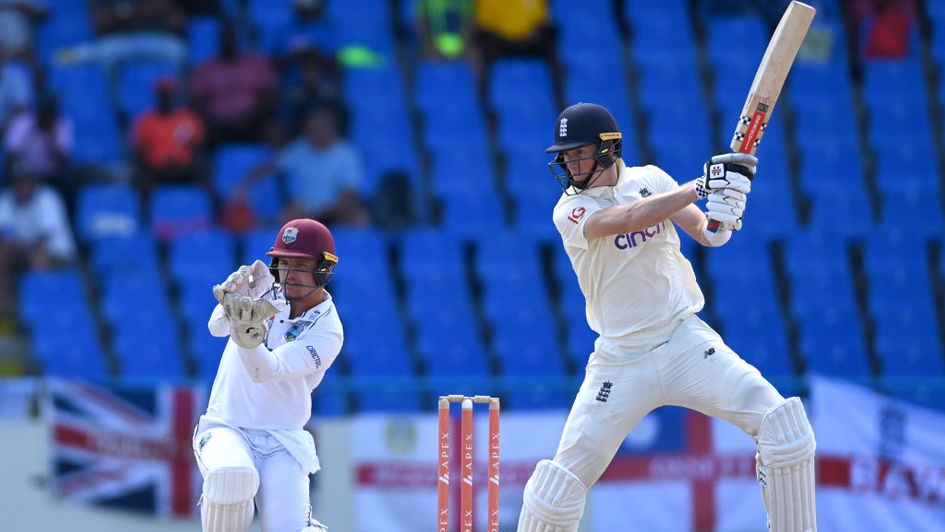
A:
(37, 289)
(517, 83)
(427, 253)
(107, 210)
(760, 339)
(833, 344)
(201, 257)
(133, 252)
(177, 209)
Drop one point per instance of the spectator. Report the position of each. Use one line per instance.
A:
(444, 26)
(167, 140)
(129, 31)
(16, 89)
(323, 173)
(514, 28)
(881, 28)
(235, 90)
(40, 141)
(17, 18)
(310, 81)
(34, 232)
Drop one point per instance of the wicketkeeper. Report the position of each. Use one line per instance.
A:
(284, 335)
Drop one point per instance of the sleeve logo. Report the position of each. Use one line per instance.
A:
(576, 214)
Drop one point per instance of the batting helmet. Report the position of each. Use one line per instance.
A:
(305, 238)
(584, 124)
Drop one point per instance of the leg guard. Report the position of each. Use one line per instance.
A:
(785, 464)
(227, 501)
(553, 500)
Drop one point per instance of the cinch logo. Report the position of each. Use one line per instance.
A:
(563, 128)
(629, 240)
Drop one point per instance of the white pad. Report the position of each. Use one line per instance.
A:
(227, 501)
(553, 500)
(786, 467)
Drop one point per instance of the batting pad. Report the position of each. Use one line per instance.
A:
(786, 467)
(553, 500)
(227, 502)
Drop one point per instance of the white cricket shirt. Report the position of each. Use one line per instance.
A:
(635, 284)
(287, 367)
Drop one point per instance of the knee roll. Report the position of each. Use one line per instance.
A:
(553, 500)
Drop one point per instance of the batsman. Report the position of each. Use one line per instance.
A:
(284, 334)
(618, 226)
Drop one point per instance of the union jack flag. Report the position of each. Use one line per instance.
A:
(126, 447)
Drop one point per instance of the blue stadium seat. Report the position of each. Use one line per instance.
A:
(367, 355)
(886, 82)
(909, 355)
(759, 337)
(370, 25)
(125, 293)
(833, 344)
(471, 215)
(752, 40)
(525, 129)
(919, 211)
(442, 84)
(119, 254)
(177, 209)
(107, 210)
(536, 396)
(816, 252)
(745, 291)
(830, 164)
(331, 397)
(429, 253)
(843, 211)
(204, 257)
(83, 91)
(520, 83)
(507, 255)
(38, 288)
(892, 249)
(78, 355)
(203, 39)
(374, 87)
(231, 164)
(808, 79)
(453, 128)
(256, 242)
(207, 350)
(147, 347)
(818, 291)
(666, 84)
(383, 397)
(455, 171)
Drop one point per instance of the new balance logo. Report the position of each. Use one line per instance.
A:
(708, 352)
(645, 192)
(563, 128)
(604, 392)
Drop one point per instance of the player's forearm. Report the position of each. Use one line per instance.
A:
(264, 365)
(655, 209)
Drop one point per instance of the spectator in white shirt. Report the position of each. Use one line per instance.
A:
(34, 231)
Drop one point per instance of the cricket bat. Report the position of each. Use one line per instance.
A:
(769, 79)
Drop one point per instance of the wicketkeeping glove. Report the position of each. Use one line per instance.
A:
(252, 281)
(728, 171)
(248, 318)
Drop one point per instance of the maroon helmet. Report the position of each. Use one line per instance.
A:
(305, 238)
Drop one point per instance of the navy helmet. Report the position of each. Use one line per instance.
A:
(584, 124)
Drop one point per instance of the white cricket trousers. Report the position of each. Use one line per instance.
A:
(694, 369)
(283, 498)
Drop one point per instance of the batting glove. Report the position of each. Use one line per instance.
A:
(727, 171)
